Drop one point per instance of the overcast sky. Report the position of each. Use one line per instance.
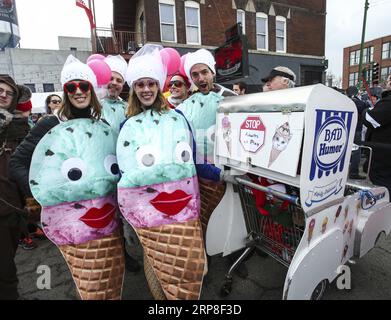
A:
(41, 21)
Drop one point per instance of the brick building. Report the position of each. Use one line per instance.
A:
(378, 50)
(281, 32)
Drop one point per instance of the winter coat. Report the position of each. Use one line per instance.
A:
(10, 197)
(378, 122)
(20, 161)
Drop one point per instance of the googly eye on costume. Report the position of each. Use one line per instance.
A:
(183, 153)
(210, 134)
(111, 165)
(73, 169)
(147, 156)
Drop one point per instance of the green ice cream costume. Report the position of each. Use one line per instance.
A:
(73, 175)
(200, 110)
(113, 111)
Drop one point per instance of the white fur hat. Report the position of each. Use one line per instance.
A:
(199, 56)
(117, 64)
(74, 69)
(146, 63)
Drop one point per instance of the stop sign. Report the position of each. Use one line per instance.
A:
(252, 134)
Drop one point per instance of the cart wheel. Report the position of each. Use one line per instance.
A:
(319, 291)
(226, 288)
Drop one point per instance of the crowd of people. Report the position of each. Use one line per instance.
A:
(159, 108)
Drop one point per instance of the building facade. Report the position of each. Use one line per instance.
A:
(285, 32)
(375, 51)
(40, 69)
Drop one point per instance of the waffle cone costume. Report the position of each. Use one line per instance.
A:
(211, 194)
(176, 256)
(97, 267)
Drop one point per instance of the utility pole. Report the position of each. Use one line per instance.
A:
(93, 30)
(362, 43)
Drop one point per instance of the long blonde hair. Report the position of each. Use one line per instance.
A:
(64, 111)
(135, 107)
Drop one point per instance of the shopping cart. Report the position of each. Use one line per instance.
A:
(277, 237)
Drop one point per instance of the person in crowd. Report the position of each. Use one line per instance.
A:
(279, 78)
(388, 83)
(376, 94)
(13, 128)
(158, 189)
(352, 93)
(179, 87)
(52, 103)
(113, 107)
(82, 188)
(378, 136)
(240, 88)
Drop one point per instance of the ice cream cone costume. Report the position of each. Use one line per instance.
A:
(74, 180)
(158, 195)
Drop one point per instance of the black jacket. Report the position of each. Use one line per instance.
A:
(378, 122)
(19, 165)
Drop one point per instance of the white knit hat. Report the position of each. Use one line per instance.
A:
(117, 64)
(199, 56)
(146, 63)
(74, 69)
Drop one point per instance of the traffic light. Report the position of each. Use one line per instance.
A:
(375, 73)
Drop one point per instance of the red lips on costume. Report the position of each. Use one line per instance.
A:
(99, 218)
(171, 203)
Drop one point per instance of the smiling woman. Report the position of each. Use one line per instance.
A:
(73, 176)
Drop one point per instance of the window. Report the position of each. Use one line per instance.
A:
(192, 16)
(167, 20)
(241, 17)
(386, 52)
(384, 73)
(367, 55)
(31, 86)
(262, 31)
(280, 34)
(354, 57)
(353, 79)
(48, 87)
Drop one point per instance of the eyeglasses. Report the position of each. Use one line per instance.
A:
(9, 94)
(55, 101)
(71, 86)
(176, 83)
(141, 84)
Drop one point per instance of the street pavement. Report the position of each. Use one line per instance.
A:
(371, 277)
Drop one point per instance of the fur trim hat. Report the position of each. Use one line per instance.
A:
(199, 56)
(74, 69)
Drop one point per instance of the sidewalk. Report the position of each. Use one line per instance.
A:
(371, 277)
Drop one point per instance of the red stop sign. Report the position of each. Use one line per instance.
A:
(252, 134)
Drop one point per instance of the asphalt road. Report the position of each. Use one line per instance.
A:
(371, 277)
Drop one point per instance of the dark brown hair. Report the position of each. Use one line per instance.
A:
(135, 106)
(64, 112)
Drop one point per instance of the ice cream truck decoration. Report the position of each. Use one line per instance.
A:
(291, 151)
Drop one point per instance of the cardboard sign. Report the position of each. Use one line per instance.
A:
(252, 134)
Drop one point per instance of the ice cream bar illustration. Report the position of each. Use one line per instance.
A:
(311, 227)
(346, 212)
(338, 213)
(350, 227)
(345, 251)
(226, 124)
(158, 195)
(345, 226)
(280, 141)
(324, 224)
(73, 175)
